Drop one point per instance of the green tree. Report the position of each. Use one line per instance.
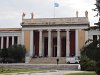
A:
(4, 55)
(17, 52)
(89, 54)
(13, 54)
(98, 52)
(91, 50)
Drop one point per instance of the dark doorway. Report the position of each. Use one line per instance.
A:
(36, 42)
(72, 43)
(94, 38)
(15, 40)
(0, 42)
(10, 41)
(63, 47)
(4, 42)
(55, 47)
(45, 46)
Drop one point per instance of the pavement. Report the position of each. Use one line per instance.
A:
(50, 72)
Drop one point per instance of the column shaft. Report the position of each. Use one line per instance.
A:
(7, 43)
(18, 40)
(67, 44)
(49, 43)
(12, 40)
(1, 42)
(22, 38)
(77, 53)
(86, 36)
(40, 43)
(58, 44)
(31, 43)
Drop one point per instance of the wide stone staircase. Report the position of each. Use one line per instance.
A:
(50, 63)
(47, 60)
(43, 63)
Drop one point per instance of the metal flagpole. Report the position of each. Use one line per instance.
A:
(55, 6)
(54, 9)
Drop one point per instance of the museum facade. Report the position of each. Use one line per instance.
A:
(48, 37)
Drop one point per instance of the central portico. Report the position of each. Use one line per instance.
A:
(54, 37)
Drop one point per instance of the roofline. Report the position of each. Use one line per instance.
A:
(10, 29)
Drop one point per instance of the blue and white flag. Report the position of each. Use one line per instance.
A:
(56, 5)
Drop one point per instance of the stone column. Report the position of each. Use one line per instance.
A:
(49, 43)
(12, 40)
(58, 44)
(40, 43)
(1, 42)
(22, 38)
(86, 36)
(77, 52)
(7, 44)
(31, 43)
(67, 44)
(18, 40)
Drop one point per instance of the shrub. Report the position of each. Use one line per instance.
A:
(98, 67)
(87, 64)
(13, 54)
(17, 52)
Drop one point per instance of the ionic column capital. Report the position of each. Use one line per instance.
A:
(67, 30)
(49, 30)
(58, 30)
(40, 30)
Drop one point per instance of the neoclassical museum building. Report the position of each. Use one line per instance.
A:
(48, 37)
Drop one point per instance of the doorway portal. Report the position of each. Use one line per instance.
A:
(55, 47)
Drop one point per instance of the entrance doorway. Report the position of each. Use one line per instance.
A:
(55, 47)
(55, 51)
(63, 46)
(72, 43)
(45, 46)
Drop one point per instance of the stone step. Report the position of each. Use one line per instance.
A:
(48, 60)
(41, 66)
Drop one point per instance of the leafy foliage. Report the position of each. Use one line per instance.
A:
(87, 64)
(90, 54)
(91, 50)
(13, 54)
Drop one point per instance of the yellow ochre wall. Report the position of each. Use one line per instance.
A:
(81, 38)
(27, 40)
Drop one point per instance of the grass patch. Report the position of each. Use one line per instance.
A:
(85, 73)
(19, 70)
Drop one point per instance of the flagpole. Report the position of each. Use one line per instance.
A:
(54, 9)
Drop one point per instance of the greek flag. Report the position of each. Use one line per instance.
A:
(56, 5)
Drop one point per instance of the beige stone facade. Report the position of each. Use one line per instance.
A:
(48, 37)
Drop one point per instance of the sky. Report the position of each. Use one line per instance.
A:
(11, 10)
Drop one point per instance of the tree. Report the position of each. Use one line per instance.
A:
(98, 15)
(13, 54)
(17, 52)
(98, 51)
(4, 55)
(90, 54)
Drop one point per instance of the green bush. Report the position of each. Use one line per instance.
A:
(17, 52)
(14, 54)
(98, 67)
(90, 50)
(87, 64)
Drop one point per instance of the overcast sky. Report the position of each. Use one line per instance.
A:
(11, 10)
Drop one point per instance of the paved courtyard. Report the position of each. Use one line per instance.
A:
(51, 72)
